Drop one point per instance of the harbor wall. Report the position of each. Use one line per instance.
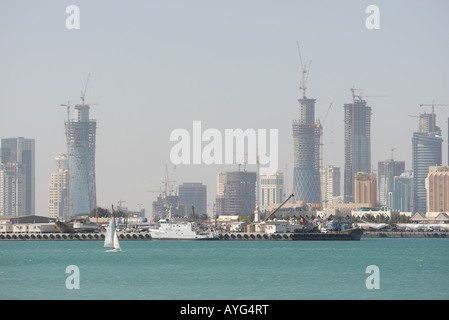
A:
(71, 236)
(229, 236)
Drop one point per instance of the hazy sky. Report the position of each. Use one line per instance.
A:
(159, 65)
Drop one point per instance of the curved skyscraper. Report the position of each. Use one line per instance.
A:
(306, 140)
(80, 135)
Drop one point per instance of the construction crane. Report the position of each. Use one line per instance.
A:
(167, 181)
(320, 124)
(353, 90)
(304, 71)
(120, 204)
(83, 95)
(360, 96)
(277, 209)
(68, 105)
(156, 191)
(433, 111)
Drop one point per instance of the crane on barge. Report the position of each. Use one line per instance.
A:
(277, 209)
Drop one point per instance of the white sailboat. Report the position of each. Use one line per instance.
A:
(111, 238)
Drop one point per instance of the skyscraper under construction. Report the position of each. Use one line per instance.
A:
(306, 141)
(80, 136)
(357, 142)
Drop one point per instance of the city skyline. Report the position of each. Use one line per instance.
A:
(156, 67)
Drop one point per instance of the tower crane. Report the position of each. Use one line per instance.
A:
(83, 93)
(68, 105)
(156, 191)
(167, 182)
(321, 133)
(360, 96)
(304, 71)
(433, 111)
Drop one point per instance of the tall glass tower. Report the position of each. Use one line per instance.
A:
(192, 194)
(80, 135)
(357, 142)
(427, 152)
(306, 143)
(22, 152)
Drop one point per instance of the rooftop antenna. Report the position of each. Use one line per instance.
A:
(304, 71)
(392, 150)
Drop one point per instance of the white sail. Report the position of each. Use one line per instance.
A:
(116, 245)
(110, 231)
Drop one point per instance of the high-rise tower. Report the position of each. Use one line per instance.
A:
(330, 184)
(80, 136)
(357, 142)
(272, 189)
(12, 189)
(427, 152)
(21, 152)
(306, 142)
(387, 170)
(58, 190)
(193, 194)
(236, 193)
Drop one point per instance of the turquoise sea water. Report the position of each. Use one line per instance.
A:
(226, 270)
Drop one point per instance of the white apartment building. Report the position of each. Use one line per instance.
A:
(59, 187)
(271, 189)
(330, 184)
